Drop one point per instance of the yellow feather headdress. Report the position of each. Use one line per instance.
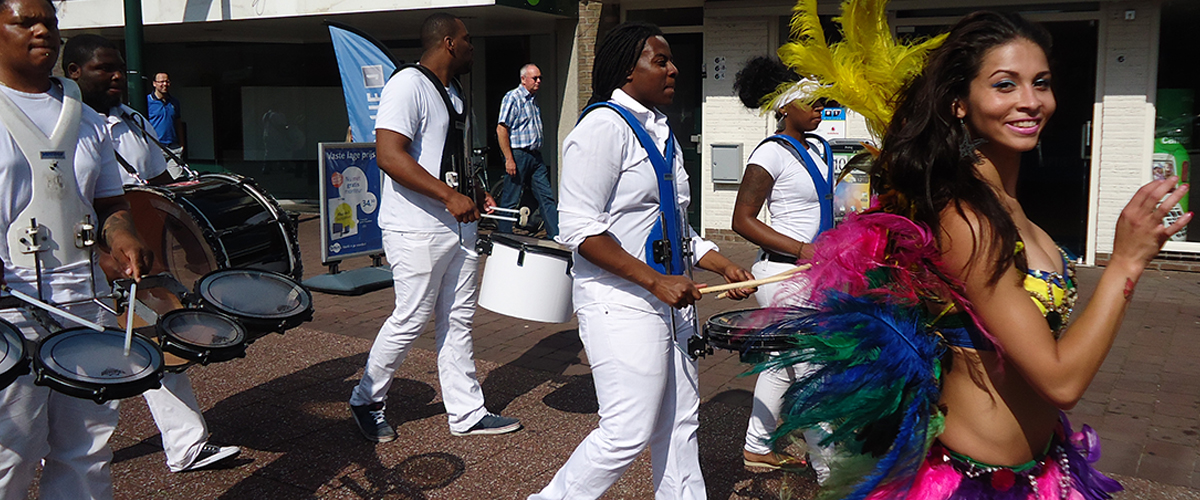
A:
(863, 72)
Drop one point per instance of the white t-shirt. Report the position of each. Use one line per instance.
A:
(413, 107)
(96, 173)
(609, 186)
(133, 146)
(793, 203)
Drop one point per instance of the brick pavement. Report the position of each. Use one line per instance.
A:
(285, 404)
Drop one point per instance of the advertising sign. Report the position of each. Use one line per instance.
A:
(350, 188)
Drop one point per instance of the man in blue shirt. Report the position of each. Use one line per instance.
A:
(165, 115)
(520, 133)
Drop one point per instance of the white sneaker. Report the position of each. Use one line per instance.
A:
(211, 454)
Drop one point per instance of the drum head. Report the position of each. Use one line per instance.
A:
(536, 245)
(180, 246)
(88, 364)
(203, 328)
(254, 294)
(743, 330)
(13, 362)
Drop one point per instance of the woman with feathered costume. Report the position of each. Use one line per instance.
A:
(942, 333)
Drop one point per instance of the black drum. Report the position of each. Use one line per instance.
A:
(14, 360)
(201, 336)
(264, 302)
(88, 364)
(215, 221)
(743, 331)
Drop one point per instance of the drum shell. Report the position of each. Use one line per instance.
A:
(100, 393)
(14, 345)
(202, 354)
(748, 336)
(527, 281)
(215, 221)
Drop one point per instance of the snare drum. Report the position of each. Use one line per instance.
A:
(87, 364)
(264, 302)
(201, 336)
(13, 359)
(527, 278)
(215, 221)
(743, 331)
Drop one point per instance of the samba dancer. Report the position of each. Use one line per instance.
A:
(634, 319)
(98, 68)
(987, 422)
(793, 183)
(68, 435)
(429, 233)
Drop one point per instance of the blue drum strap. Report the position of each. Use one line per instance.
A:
(668, 205)
(824, 184)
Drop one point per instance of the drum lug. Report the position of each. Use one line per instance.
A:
(521, 257)
(697, 346)
(483, 246)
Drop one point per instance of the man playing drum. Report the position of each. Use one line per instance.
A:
(429, 238)
(68, 435)
(97, 67)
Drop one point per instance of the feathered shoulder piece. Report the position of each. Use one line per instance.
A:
(878, 290)
(864, 71)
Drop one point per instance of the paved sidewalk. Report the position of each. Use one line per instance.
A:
(285, 404)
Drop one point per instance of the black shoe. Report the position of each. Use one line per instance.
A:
(210, 455)
(491, 424)
(372, 423)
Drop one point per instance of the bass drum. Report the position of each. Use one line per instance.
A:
(215, 221)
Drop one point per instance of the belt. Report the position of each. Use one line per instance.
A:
(778, 257)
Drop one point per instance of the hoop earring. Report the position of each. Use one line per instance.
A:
(968, 148)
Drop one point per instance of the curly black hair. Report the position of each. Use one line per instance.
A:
(760, 76)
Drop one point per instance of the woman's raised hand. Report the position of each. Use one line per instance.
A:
(1140, 230)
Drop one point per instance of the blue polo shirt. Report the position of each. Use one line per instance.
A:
(162, 115)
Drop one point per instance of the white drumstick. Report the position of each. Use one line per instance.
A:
(42, 305)
(129, 318)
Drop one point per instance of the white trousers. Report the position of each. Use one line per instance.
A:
(434, 276)
(177, 415)
(69, 434)
(773, 383)
(648, 393)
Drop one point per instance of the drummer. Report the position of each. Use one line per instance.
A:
(68, 435)
(778, 176)
(96, 65)
(634, 320)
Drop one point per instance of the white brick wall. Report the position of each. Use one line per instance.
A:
(726, 121)
(1124, 134)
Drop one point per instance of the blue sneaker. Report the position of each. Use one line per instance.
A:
(491, 424)
(371, 422)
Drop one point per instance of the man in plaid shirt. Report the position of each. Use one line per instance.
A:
(520, 133)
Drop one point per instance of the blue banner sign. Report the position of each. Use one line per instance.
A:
(350, 188)
(365, 66)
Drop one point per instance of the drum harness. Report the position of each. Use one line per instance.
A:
(823, 184)
(667, 250)
(55, 200)
(140, 122)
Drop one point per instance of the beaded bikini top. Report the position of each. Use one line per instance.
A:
(1053, 293)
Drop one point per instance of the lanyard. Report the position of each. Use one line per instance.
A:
(823, 184)
(672, 261)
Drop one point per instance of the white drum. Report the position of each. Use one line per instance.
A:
(527, 278)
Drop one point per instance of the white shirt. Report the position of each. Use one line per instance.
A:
(412, 106)
(609, 186)
(96, 173)
(793, 203)
(133, 146)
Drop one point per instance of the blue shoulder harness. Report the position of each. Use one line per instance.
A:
(664, 249)
(824, 184)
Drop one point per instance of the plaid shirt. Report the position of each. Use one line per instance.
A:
(519, 112)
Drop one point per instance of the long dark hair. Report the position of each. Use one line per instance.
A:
(759, 77)
(616, 57)
(923, 168)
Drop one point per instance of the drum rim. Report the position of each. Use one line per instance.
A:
(508, 241)
(153, 352)
(747, 339)
(239, 330)
(16, 339)
(205, 282)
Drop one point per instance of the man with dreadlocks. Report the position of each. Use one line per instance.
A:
(624, 197)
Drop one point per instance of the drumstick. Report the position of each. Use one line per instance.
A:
(789, 272)
(129, 319)
(42, 305)
(754, 283)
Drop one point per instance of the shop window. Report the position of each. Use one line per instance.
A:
(1177, 121)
